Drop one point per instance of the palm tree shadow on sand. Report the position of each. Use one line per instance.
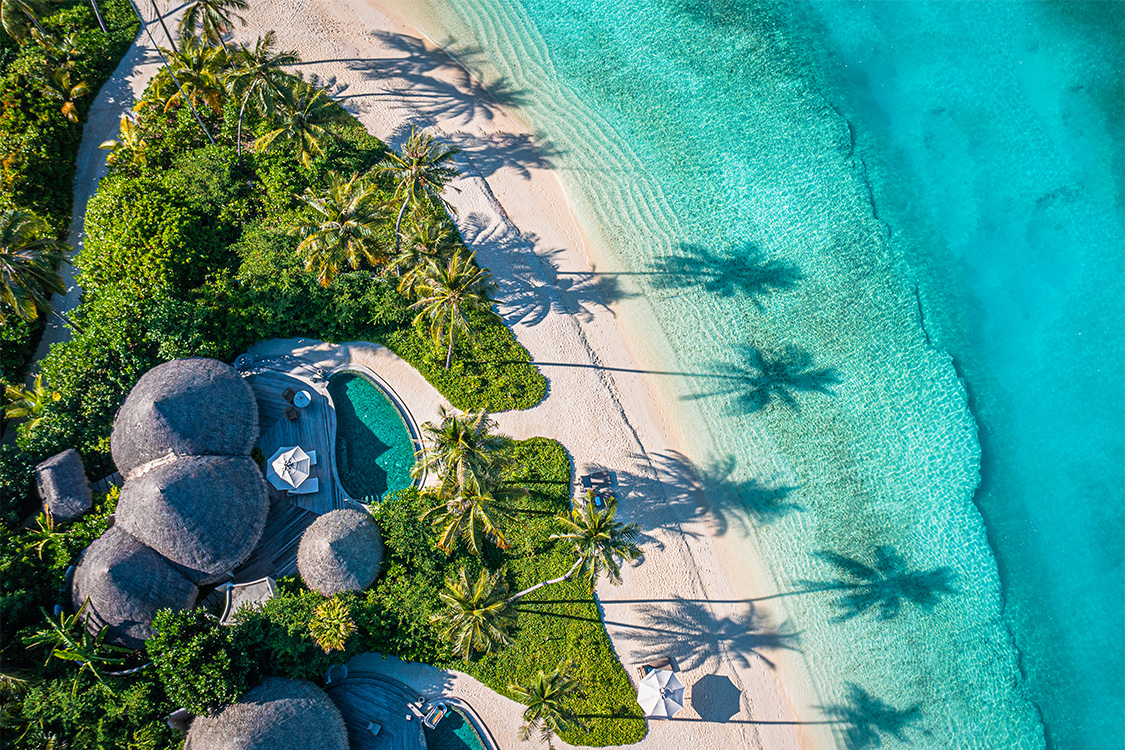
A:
(864, 719)
(885, 585)
(746, 272)
(766, 377)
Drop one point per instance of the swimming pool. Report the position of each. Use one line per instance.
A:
(374, 449)
(454, 732)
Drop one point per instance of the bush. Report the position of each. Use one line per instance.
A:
(197, 660)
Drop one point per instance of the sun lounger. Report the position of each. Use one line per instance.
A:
(307, 487)
(655, 664)
(312, 458)
(597, 479)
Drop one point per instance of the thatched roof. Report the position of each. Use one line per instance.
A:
(279, 714)
(127, 584)
(62, 484)
(340, 551)
(191, 406)
(203, 513)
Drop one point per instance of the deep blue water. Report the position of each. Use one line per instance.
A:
(899, 225)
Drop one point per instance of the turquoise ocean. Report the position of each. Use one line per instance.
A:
(885, 242)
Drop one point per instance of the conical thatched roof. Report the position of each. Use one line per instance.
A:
(279, 714)
(63, 488)
(191, 406)
(204, 513)
(340, 551)
(127, 584)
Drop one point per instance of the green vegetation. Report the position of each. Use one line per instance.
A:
(53, 58)
(547, 697)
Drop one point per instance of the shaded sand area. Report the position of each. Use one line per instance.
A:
(689, 600)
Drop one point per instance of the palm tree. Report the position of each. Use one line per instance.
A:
(46, 535)
(476, 615)
(29, 403)
(305, 110)
(545, 696)
(473, 515)
(421, 170)
(348, 217)
(198, 67)
(213, 17)
(426, 243)
(29, 259)
(463, 451)
(449, 293)
(130, 141)
(16, 14)
(600, 542)
(258, 77)
(332, 625)
(69, 640)
(62, 87)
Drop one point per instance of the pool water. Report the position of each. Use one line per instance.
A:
(454, 732)
(374, 451)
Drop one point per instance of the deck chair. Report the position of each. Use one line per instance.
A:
(312, 458)
(308, 487)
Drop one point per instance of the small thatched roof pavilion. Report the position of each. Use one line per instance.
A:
(193, 406)
(126, 584)
(63, 487)
(203, 513)
(341, 551)
(279, 714)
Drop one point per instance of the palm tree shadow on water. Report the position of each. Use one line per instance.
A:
(746, 272)
(863, 719)
(885, 585)
(765, 377)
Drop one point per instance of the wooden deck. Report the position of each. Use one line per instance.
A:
(314, 429)
(365, 697)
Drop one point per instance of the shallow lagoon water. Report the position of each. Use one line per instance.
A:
(886, 240)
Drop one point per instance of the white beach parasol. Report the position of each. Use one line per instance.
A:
(661, 694)
(291, 466)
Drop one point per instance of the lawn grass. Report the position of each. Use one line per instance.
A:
(606, 698)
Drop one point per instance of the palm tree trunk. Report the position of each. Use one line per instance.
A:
(159, 17)
(241, 111)
(398, 224)
(98, 15)
(449, 351)
(537, 586)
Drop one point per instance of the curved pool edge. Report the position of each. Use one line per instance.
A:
(478, 726)
(396, 401)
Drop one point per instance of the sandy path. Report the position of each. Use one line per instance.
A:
(511, 208)
(116, 96)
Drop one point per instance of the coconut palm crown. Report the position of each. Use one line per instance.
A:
(257, 77)
(420, 170)
(463, 451)
(476, 617)
(546, 697)
(601, 542)
(344, 235)
(29, 259)
(448, 294)
(212, 18)
(304, 113)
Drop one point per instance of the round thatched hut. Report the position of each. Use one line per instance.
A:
(203, 513)
(62, 485)
(193, 406)
(340, 551)
(279, 714)
(126, 584)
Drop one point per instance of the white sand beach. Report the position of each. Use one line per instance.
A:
(691, 597)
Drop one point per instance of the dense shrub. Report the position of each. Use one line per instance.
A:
(197, 661)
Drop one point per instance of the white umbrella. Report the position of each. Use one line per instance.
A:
(660, 694)
(292, 466)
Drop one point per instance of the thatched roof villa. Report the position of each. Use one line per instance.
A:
(127, 584)
(186, 407)
(193, 505)
(279, 714)
(203, 513)
(341, 551)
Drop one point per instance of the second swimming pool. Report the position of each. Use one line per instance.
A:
(374, 450)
